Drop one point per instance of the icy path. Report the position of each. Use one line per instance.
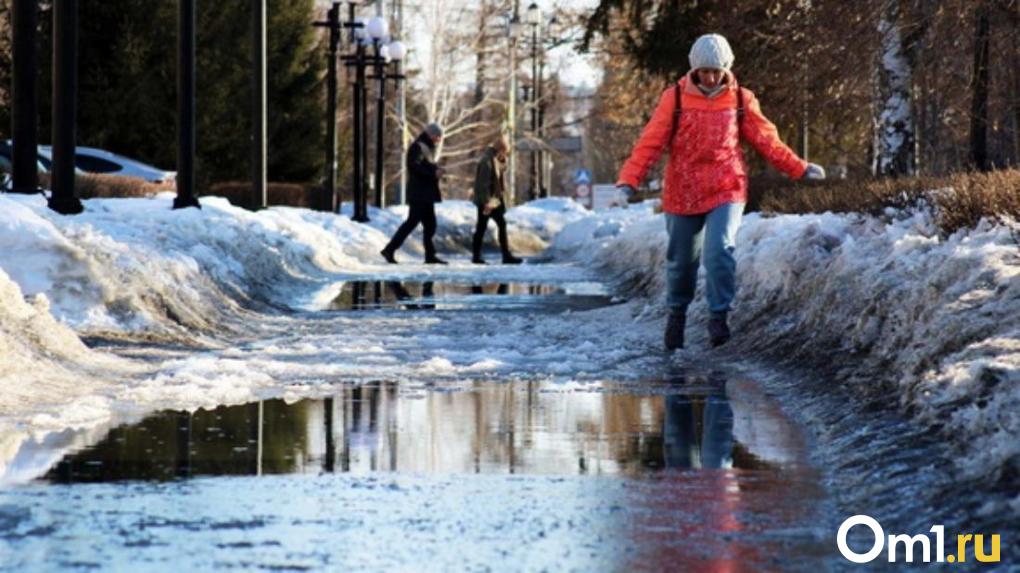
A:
(543, 388)
(300, 354)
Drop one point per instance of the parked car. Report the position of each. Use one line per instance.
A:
(7, 160)
(92, 160)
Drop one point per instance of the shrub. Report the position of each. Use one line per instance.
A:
(96, 186)
(306, 195)
(959, 201)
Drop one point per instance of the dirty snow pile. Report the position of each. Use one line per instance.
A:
(41, 357)
(883, 305)
(134, 268)
(127, 265)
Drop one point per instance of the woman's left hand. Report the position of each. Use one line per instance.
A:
(814, 172)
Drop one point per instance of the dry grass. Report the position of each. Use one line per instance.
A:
(960, 201)
(291, 194)
(94, 186)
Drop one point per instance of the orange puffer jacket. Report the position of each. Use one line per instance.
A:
(706, 166)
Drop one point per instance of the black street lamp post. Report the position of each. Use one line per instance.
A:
(538, 103)
(543, 181)
(362, 86)
(513, 32)
(534, 16)
(380, 122)
(378, 30)
(186, 105)
(64, 198)
(25, 116)
(543, 191)
(375, 30)
(357, 60)
(384, 53)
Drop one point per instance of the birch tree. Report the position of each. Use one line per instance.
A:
(894, 123)
(461, 55)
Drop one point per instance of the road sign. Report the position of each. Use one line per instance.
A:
(607, 196)
(582, 177)
(582, 194)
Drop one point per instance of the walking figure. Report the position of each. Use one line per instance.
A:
(702, 120)
(489, 197)
(422, 195)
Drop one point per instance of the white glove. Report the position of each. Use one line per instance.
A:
(814, 172)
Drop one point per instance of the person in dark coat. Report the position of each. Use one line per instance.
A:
(489, 195)
(422, 195)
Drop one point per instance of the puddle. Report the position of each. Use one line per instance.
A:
(483, 427)
(433, 295)
(693, 473)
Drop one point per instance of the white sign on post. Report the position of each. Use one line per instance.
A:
(607, 196)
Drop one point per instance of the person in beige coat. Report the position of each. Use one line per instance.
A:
(489, 197)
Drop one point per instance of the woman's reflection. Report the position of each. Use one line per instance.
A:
(698, 430)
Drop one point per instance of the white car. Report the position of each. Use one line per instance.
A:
(92, 160)
(7, 160)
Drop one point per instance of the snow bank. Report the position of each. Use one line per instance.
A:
(41, 357)
(883, 305)
(136, 269)
(136, 265)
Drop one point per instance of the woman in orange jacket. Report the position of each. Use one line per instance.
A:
(701, 120)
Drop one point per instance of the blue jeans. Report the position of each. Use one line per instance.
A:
(712, 236)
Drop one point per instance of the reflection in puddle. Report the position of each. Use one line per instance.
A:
(481, 427)
(430, 295)
(699, 474)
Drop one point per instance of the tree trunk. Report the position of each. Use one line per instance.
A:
(979, 92)
(483, 45)
(1016, 113)
(894, 139)
(1016, 89)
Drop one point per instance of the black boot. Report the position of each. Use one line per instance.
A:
(509, 259)
(477, 259)
(718, 331)
(387, 254)
(674, 336)
(434, 260)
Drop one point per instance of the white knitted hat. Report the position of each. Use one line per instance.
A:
(711, 51)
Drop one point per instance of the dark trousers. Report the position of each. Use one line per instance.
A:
(424, 213)
(483, 224)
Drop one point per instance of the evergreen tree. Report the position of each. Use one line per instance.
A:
(295, 95)
(297, 67)
(127, 93)
(5, 68)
